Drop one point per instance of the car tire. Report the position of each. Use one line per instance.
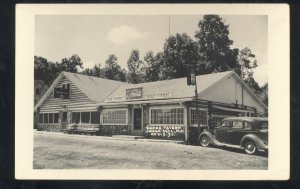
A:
(204, 141)
(250, 147)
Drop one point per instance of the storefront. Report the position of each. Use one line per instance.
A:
(162, 109)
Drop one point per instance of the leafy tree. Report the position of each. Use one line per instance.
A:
(70, 64)
(44, 70)
(113, 70)
(152, 66)
(214, 44)
(96, 71)
(135, 66)
(265, 94)
(180, 51)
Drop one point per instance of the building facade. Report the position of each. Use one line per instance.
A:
(162, 109)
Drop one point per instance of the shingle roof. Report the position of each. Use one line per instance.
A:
(94, 88)
(177, 87)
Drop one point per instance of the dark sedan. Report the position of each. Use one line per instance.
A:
(248, 133)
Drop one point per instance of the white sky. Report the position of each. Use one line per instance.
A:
(94, 38)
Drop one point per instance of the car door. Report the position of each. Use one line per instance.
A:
(237, 132)
(221, 132)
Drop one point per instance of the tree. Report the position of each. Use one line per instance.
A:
(135, 66)
(246, 65)
(152, 66)
(264, 96)
(96, 71)
(70, 64)
(44, 70)
(113, 70)
(180, 51)
(214, 44)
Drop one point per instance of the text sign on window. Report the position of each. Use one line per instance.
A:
(61, 92)
(134, 93)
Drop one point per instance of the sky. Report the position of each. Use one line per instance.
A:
(94, 38)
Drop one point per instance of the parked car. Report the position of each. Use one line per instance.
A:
(248, 133)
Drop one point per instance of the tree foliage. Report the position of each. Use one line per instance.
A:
(152, 67)
(96, 71)
(214, 44)
(180, 51)
(135, 67)
(113, 70)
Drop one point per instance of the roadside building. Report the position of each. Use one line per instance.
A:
(161, 109)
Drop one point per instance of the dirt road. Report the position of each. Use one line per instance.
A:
(65, 152)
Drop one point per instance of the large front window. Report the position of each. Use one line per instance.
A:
(167, 116)
(202, 116)
(85, 117)
(114, 116)
(75, 117)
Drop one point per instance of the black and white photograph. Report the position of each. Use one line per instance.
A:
(151, 92)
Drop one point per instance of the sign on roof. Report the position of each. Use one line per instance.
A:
(134, 93)
(61, 92)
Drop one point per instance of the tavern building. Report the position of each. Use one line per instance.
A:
(160, 109)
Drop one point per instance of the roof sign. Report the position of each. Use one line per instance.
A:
(134, 93)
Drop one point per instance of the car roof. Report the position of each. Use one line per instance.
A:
(246, 119)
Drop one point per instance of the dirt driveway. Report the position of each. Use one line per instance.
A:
(69, 152)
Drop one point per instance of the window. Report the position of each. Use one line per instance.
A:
(51, 118)
(37, 91)
(95, 117)
(45, 118)
(41, 118)
(85, 117)
(226, 124)
(202, 115)
(247, 125)
(75, 117)
(167, 116)
(114, 116)
(55, 117)
(237, 124)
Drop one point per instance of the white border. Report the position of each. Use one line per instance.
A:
(278, 76)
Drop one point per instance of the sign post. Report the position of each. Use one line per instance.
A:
(192, 80)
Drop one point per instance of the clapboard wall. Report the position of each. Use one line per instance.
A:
(77, 101)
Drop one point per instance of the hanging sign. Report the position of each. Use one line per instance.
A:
(134, 93)
(61, 93)
(191, 78)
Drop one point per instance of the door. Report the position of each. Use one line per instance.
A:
(222, 133)
(137, 121)
(64, 120)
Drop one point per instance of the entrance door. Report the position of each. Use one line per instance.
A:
(137, 121)
(64, 121)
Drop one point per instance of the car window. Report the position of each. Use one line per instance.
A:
(247, 125)
(237, 124)
(226, 124)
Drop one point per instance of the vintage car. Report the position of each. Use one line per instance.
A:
(248, 133)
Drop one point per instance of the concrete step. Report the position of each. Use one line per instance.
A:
(127, 137)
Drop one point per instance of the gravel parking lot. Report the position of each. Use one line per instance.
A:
(60, 151)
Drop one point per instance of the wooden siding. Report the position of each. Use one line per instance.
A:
(229, 91)
(77, 100)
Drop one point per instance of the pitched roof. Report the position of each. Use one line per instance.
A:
(177, 87)
(94, 88)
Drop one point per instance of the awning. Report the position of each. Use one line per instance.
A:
(230, 109)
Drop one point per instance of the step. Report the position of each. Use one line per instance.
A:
(127, 137)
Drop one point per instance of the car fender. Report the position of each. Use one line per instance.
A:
(209, 135)
(259, 143)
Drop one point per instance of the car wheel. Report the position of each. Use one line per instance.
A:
(250, 147)
(204, 141)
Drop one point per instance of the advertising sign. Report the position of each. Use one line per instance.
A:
(134, 93)
(61, 93)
